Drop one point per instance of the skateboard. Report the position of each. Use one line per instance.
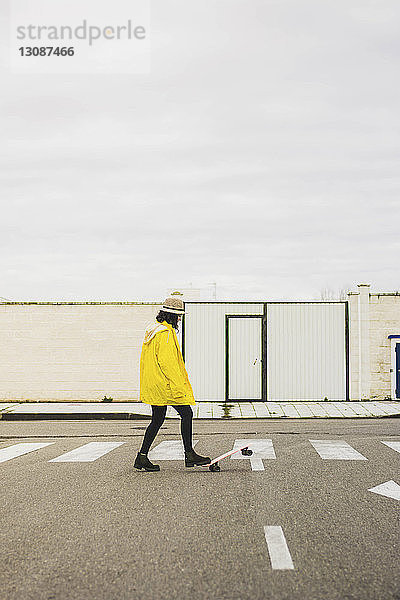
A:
(214, 466)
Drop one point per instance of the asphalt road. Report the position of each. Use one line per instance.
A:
(103, 530)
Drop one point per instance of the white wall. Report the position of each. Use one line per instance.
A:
(71, 351)
(82, 352)
(370, 347)
(384, 311)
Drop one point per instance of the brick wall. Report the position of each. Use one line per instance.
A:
(78, 352)
(372, 380)
(384, 321)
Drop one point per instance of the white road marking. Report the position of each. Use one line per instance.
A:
(170, 450)
(390, 489)
(277, 547)
(393, 445)
(20, 449)
(256, 464)
(262, 449)
(336, 450)
(88, 452)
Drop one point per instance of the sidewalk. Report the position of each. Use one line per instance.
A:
(20, 411)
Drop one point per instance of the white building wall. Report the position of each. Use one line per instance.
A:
(51, 351)
(71, 351)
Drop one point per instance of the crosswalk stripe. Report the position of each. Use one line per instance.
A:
(169, 450)
(256, 464)
(336, 450)
(20, 449)
(277, 547)
(262, 449)
(88, 452)
(393, 445)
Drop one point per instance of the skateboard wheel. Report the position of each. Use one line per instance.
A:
(247, 452)
(215, 467)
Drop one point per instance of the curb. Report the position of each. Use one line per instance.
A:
(70, 416)
(135, 416)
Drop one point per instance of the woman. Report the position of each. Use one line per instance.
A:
(165, 382)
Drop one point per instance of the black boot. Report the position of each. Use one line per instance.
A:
(142, 462)
(191, 459)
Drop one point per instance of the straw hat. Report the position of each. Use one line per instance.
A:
(174, 305)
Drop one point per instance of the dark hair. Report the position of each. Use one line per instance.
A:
(171, 318)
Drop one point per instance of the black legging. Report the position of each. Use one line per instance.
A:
(159, 412)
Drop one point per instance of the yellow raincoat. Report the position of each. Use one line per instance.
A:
(163, 376)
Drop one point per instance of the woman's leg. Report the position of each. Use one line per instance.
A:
(157, 420)
(186, 414)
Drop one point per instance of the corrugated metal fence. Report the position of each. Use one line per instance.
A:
(303, 351)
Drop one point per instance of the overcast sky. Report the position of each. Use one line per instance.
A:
(260, 153)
